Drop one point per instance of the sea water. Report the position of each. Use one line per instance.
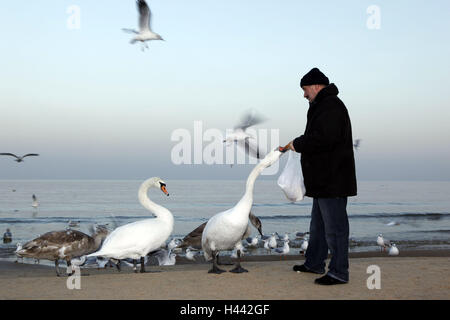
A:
(413, 214)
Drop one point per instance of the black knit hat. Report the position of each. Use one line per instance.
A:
(315, 76)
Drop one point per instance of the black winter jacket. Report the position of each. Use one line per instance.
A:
(326, 148)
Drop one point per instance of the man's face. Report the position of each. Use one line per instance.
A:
(310, 92)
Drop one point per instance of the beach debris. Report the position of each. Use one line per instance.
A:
(145, 32)
(19, 159)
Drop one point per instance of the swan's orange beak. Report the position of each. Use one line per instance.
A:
(163, 189)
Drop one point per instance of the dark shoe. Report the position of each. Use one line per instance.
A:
(326, 280)
(302, 268)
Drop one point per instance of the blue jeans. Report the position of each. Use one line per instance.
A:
(329, 229)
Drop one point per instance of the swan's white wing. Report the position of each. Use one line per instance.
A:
(144, 15)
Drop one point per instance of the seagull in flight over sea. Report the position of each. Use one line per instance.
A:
(145, 32)
(19, 159)
(242, 138)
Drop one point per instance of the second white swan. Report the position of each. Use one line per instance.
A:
(135, 240)
(225, 229)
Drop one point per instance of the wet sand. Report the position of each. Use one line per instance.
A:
(413, 275)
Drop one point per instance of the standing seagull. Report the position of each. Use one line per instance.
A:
(19, 159)
(383, 243)
(285, 250)
(393, 250)
(242, 138)
(145, 32)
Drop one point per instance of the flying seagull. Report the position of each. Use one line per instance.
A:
(19, 159)
(242, 138)
(145, 32)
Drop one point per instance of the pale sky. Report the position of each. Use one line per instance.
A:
(96, 107)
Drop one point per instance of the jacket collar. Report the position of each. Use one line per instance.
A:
(330, 90)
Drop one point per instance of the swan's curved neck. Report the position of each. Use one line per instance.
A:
(247, 199)
(156, 209)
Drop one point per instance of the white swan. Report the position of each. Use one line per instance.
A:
(135, 240)
(225, 229)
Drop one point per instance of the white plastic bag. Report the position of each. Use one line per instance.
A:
(291, 179)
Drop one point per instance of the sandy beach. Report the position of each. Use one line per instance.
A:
(413, 275)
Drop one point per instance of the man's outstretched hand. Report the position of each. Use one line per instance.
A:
(287, 147)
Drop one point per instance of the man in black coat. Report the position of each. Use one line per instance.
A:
(328, 167)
